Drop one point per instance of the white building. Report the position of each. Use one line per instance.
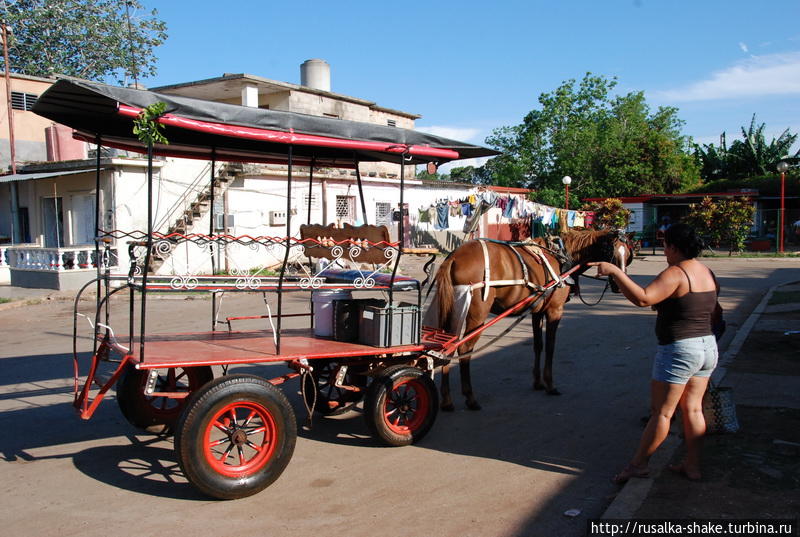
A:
(58, 197)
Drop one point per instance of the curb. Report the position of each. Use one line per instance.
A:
(634, 492)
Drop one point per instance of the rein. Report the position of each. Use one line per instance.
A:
(580, 294)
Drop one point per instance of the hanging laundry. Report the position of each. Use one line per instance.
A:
(562, 220)
(571, 218)
(508, 210)
(424, 216)
(455, 210)
(549, 215)
(579, 219)
(432, 214)
(442, 216)
(472, 221)
(466, 208)
(489, 197)
(537, 228)
(588, 219)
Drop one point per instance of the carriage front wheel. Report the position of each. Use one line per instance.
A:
(235, 437)
(401, 405)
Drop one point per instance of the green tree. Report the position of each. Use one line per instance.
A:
(749, 157)
(89, 39)
(610, 146)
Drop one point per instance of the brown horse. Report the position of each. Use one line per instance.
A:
(513, 274)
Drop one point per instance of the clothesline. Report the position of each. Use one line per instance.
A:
(473, 206)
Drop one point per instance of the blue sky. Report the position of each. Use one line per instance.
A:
(468, 67)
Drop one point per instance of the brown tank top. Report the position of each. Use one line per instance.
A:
(686, 316)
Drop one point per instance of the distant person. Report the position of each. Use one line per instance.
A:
(665, 223)
(685, 296)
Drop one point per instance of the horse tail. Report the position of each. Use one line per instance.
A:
(444, 292)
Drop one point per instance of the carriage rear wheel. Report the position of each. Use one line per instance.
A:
(158, 414)
(401, 405)
(330, 399)
(235, 437)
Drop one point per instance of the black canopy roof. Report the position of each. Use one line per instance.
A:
(197, 128)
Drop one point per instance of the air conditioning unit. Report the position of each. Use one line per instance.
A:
(223, 221)
(277, 218)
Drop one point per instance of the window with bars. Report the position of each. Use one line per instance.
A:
(345, 207)
(23, 101)
(391, 122)
(383, 213)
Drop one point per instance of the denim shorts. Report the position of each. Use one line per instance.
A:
(680, 360)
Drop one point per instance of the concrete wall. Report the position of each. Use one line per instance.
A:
(28, 127)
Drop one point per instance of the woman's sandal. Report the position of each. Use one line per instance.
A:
(681, 470)
(629, 472)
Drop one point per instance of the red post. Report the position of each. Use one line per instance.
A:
(566, 197)
(783, 191)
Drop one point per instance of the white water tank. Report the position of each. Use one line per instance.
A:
(316, 74)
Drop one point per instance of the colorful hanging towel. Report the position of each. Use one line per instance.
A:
(571, 218)
(424, 216)
(589, 219)
(579, 219)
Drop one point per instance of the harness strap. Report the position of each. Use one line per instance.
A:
(487, 276)
(535, 251)
(521, 263)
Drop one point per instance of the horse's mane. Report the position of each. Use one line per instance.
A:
(581, 243)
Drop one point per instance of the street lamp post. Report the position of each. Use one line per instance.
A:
(782, 167)
(566, 180)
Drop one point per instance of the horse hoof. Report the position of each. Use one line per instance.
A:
(473, 405)
(448, 407)
(553, 391)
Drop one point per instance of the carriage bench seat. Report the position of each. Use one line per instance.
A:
(401, 283)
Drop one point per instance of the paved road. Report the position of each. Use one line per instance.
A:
(513, 468)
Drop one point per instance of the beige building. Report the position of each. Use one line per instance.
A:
(30, 131)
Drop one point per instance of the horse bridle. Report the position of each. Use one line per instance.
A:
(608, 254)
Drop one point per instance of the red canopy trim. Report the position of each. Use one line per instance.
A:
(291, 137)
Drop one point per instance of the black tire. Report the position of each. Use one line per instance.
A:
(401, 405)
(235, 437)
(158, 415)
(330, 400)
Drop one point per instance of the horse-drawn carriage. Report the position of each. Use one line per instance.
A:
(235, 434)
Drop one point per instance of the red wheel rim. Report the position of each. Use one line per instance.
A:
(240, 439)
(406, 407)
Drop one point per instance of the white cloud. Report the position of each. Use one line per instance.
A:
(743, 46)
(462, 134)
(758, 76)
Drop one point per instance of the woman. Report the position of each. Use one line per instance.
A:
(685, 295)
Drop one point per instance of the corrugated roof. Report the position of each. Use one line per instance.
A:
(41, 175)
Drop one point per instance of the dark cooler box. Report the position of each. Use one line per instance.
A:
(375, 321)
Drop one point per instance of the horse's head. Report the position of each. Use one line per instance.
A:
(619, 250)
